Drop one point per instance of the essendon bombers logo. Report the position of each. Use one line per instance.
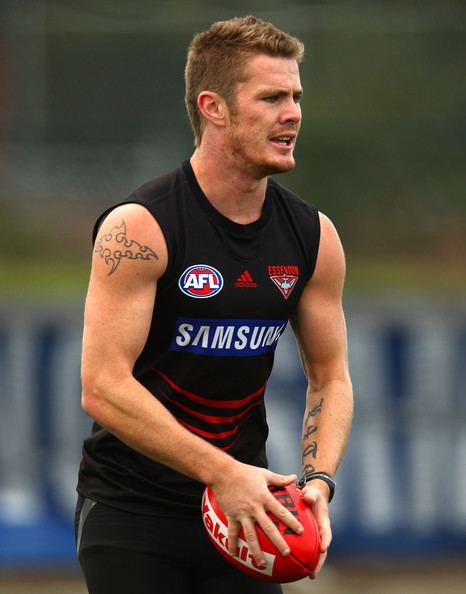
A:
(201, 281)
(284, 278)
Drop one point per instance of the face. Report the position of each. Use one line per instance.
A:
(266, 116)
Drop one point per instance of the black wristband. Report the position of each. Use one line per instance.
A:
(323, 476)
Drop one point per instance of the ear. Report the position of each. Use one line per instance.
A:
(212, 107)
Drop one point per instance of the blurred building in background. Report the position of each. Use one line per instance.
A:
(91, 106)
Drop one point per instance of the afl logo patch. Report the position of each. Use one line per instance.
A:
(201, 281)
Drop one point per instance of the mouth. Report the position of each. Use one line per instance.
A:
(284, 141)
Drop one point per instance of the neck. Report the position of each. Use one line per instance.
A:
(234, 193)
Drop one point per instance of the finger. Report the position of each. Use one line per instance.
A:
(285, 516)
(272, 533)
(250, 534)
(280, 480)
(325, 532)
(234, 529)
(319, 507)
(319, 565)
(320, 511)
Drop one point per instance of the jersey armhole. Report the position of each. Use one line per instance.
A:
(316, 242)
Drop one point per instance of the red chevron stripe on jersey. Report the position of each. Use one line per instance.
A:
(209, 434)
(209, 401)
(210, 418)
(205, 434)
(202, 420)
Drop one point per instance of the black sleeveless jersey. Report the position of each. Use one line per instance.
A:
(221, 306)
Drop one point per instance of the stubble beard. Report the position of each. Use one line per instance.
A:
(258, 167)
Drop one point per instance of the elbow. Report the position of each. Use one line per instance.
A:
(94, 395)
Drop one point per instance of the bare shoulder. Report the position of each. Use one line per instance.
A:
(129, 235)
(330, 265)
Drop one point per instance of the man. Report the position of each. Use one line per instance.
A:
(193, 280)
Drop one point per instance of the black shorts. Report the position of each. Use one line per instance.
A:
(121, 553)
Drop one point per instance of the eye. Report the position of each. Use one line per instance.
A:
(297, 98)
(271, 99)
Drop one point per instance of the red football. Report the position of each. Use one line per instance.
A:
(304, 548)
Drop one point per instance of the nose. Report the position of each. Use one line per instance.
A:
(291, 112)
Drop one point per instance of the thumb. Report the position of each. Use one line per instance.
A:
(280, 480)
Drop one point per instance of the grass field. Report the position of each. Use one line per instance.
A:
(335, 579)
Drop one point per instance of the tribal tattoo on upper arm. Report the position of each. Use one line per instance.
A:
(309, 429)
(130, 249)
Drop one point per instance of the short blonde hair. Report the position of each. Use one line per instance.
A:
(216, 59)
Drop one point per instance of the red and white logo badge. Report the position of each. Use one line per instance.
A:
(201, 281)
(284, 278)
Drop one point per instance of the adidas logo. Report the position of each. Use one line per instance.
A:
(245, 280)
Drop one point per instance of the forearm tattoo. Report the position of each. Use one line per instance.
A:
(310, 427)
(130, 248)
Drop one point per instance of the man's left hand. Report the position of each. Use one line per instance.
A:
(317, 500)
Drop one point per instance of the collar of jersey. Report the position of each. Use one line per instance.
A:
(229, 225)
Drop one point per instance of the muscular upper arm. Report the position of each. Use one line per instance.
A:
(129, 257)
(319, 323)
